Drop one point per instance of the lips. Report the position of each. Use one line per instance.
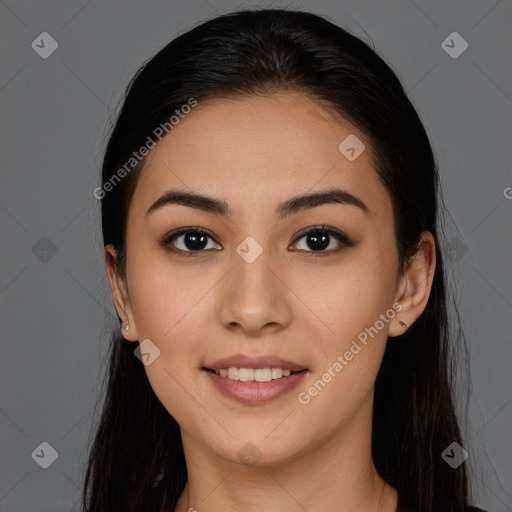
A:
(254, 392)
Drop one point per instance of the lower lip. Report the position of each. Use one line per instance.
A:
(256, 392)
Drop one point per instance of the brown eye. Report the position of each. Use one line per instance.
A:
(321, 239)
(188, 240)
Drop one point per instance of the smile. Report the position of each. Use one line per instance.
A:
(252, 374)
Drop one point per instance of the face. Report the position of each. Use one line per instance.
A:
(249, 287)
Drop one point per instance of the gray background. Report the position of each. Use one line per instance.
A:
(55, 307)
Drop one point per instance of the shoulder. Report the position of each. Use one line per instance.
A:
(475, 509)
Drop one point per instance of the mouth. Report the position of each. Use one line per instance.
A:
(254, 380)
(265, 374)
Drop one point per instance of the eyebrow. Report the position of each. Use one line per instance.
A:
(288, 207)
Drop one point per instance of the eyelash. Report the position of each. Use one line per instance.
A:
(338, 235)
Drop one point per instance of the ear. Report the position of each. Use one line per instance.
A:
(416, 283)
(120, 294)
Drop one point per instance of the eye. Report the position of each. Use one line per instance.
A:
(193, 241)
(187, 241)
(320, 238)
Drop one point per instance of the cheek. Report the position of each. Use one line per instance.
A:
(350, 302)
(160, 295)
(168, 311)
(351, 297)
(349, 355)
(173, 307)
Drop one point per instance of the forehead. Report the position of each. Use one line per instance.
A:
(251, 150)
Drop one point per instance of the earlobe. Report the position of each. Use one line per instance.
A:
(120, 295)
(403, 324)
(416, 285)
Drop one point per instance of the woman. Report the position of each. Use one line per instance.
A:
(269, 211)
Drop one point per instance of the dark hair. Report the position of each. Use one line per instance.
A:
(259, 52)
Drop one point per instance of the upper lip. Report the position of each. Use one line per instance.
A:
(241, 361)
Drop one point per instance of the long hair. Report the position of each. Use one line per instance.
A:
(136, 459)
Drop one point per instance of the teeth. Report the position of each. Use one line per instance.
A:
(233, 373)
(263, 375)
(251, 374)
(277, 373)
(245, 374)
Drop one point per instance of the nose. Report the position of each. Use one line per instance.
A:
(256, 299)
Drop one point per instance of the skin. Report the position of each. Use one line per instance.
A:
(255, 152)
